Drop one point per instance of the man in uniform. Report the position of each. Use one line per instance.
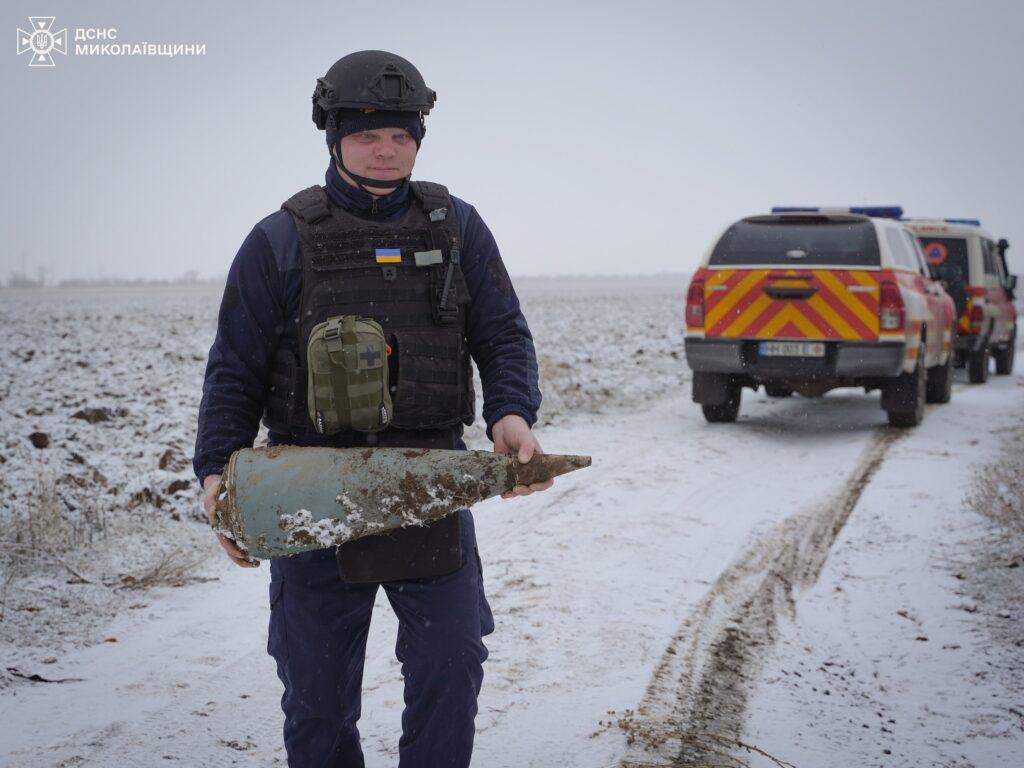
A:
(423, 266)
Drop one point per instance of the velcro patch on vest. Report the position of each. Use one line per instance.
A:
(428, 258)
(388, 255)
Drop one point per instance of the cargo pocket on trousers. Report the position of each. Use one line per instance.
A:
(277, 633)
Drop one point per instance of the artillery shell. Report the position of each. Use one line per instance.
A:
(284, 500)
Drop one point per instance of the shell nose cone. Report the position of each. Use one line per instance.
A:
(548, 465)
(572, 463)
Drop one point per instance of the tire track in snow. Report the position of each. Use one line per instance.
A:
(693, 711)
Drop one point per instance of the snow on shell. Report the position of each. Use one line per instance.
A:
(302, 530)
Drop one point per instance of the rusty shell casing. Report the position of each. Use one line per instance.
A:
(280, 501)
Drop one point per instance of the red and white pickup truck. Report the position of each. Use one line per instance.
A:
(808, 300)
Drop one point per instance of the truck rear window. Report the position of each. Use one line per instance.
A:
(817, 241)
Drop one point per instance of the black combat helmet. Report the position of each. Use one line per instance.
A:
(367, 90)
(370, 80)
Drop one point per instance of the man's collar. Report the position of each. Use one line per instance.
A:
(359, 202)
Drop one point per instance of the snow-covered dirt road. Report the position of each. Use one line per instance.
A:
(650, 610)
(590, 583)
(864, 655)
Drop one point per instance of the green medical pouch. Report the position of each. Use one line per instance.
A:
(347, 363)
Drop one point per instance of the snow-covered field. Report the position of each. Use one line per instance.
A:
(702, 587)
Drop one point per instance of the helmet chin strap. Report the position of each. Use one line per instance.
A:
(364, 181)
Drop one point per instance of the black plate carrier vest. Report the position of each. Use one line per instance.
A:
(344, 273)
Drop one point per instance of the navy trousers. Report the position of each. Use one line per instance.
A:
(318, 629)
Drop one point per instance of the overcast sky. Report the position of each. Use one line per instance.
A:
(593, 137)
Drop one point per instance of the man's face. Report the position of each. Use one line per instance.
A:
(385, 153)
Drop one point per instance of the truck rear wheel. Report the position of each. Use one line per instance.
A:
(776, 390)
(903, 398)
(725, 412)
(718, 395)
(977, 365)
(1004, 357)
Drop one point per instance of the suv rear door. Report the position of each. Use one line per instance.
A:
(947, 257)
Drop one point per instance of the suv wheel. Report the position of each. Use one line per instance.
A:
(940, 382)
(905, 396)
(1004, 356)
(977, 365)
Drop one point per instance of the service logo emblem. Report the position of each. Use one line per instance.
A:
(41, 41)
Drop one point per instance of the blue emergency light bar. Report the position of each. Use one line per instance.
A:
(972, 222)
(878, 211)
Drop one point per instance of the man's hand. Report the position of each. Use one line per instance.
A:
(210, 485)
(512, 435)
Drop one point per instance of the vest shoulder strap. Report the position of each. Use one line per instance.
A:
(310, 204)
(431, 195)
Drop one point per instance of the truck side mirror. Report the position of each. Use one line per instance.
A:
(1011, 283)
(1002, 245)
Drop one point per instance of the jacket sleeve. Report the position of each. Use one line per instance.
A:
(499, 338)
(248, 326)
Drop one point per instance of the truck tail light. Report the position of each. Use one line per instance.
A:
(695, 304)
(890, 307)
(977, 315)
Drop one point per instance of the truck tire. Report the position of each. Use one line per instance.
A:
(719, 414)
(1004, 357)
(977, 365)
(718, 395)
(904, 397)
(940, 382)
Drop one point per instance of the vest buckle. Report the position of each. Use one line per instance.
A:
(446, 315)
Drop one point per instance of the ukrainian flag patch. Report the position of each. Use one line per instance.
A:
(388, 255)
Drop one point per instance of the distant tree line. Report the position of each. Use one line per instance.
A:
(19, 279)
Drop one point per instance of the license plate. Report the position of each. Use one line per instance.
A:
(792, 349)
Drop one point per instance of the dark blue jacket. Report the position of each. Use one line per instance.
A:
(260, 310)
